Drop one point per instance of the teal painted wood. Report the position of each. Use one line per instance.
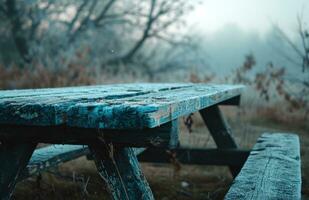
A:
(120, 170)
(220, 131)
(13, 158)
(272, 170)
(123, 106)
(51, 156)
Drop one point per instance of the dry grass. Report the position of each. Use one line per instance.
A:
(38, 76)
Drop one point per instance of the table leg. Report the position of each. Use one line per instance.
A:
(14, 158)
(120, 169)
(220, 131)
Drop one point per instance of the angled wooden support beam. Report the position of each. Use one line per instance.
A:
(14, 157)
(120, 170)
(219, 130)
(194, 156)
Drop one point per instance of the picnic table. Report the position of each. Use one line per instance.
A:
(114, 121)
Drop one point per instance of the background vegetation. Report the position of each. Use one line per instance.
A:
(48, 43)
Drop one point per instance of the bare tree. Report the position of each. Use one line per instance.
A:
(10, 9)
(152, 20)
(65, 24)
(301, 49)
(24, 19)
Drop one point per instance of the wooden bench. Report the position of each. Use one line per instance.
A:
(272, 170)
(113, 120)
(51, 156)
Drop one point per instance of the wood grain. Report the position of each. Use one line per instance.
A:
(127, 106)
(120, 170)
(51, 156)
(272, 170)
(48, 157)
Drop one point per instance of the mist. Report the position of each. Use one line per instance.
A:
(225, 49)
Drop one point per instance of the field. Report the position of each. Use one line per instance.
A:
(78, 179)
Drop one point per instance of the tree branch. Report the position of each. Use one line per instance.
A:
(84, 23)
(16, 30)
(145, 35)
(289, 41)
(102, 15)
(305, 62)
(76, 16)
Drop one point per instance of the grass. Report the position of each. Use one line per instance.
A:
(190, 182)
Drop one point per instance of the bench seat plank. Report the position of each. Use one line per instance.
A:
(51, 156)
(272, 170)
(47, 157)
(131, 106)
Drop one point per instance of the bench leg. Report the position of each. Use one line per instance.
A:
(120, 169)
(220, 131)
(14, 158)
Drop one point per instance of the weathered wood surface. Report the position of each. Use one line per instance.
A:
(127, 106)
(47, 157)
(220, 131)
(272, 170)
(194, 156)
(165, 135)
(120, 170)
(51, 156)
(13, 159)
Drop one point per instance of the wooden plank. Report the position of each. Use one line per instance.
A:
(51, 156)
(129, 107)
(194, 156)
(149, 110)
(220, 131)
(272, 170)
(13, 158)
(164, 136)
(120, 170)
(128, 88)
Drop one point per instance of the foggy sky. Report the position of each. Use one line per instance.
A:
(249, 15)
(228, 30)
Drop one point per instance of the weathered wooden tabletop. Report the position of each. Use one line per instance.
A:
(120, 106)
(110, 119)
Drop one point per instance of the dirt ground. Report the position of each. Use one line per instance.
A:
(78, 179)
